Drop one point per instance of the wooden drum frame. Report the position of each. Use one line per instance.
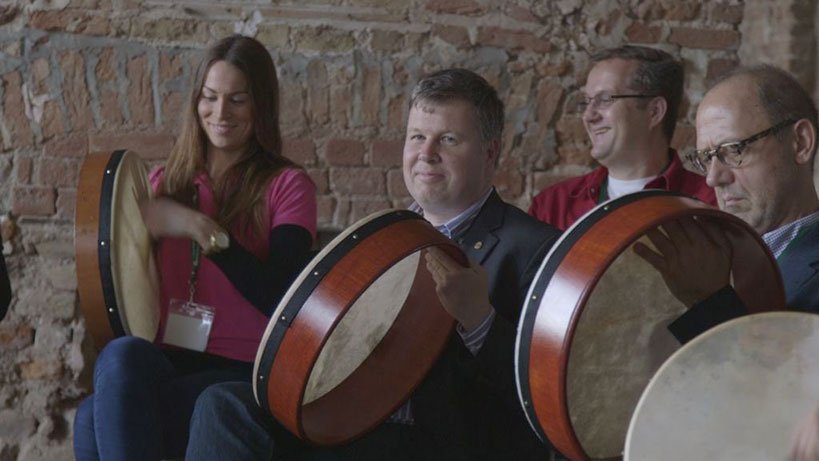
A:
(313, 309)
(570, 273)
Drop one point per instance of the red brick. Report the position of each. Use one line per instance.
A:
(106, 69)
(690, 37)
(320, 179)
(325, 207)
(396, 113)
(717, 68)
(682, 11)
(454, 35)
(573, 154)
(318, 93)
(149, 145)
(171, 66)
(8, 229)
(730, 14)
(66, 203)
(24, 167)
(509, 184)
(37, 201)
(18, 124)
(344, 152)
(640, 32)
(173, 106)
(76, 22)
(8, 13)
(396, 187)
(40, 71)
(341, 98)
(57, 172)
(15, 337)
(110, 109)
(521, 14)
(463, 7)
(361, 208)
(605, 26)
(52, 123)
(75, 91)
(512, 39)
(685, 137)
(140, 95)
(549, 93)
(387, 153)
(370, 95)
(358, 181)
(40, 369)
(300, 150)
(571, 129)
(73, 145)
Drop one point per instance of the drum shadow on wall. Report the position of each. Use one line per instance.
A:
(594, 327)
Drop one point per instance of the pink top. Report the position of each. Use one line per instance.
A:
(238, 326)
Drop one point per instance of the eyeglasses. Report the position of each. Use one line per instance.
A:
(603, 100)
(730, 153)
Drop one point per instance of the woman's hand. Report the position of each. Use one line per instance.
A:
(167, 218)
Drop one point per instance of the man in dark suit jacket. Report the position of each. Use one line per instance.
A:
(756, 141)
(467, 407)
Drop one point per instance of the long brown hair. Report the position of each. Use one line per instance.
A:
(240, 193)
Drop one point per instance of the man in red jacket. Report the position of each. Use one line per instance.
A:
(630, 105)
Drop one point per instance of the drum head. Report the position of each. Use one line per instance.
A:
(737, 391)
(356, 332)
(594, 327)
(116, 270)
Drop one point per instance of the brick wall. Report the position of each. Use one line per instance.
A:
(83, 75)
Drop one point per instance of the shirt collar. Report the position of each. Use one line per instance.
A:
(460, 223)
(779, 239)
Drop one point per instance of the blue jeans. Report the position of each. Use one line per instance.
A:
(143, 400)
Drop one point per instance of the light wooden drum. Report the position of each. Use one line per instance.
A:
(736, 392)
(117, 276)
(356, 332)
(594, 326)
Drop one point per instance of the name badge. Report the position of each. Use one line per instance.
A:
(188, 325)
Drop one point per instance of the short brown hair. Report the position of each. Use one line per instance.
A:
(658, 73)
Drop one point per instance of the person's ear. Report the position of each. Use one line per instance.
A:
(657, 108)
(493, 152)
(804, 141)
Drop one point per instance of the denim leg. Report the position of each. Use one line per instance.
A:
(127, 416)
(177, 399)
(228, 424)
(85, 442)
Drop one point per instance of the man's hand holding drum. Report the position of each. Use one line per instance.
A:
(692, 255)
(463, 291)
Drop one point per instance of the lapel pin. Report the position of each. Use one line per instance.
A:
(478, 245)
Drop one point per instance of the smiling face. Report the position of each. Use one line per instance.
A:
(618, 130)
(225, 111)
(447, 166)
(760, 190)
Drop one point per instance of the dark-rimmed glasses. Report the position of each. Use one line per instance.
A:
(730, 153)
(603, 100)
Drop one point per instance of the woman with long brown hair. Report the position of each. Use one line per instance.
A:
(233, 220)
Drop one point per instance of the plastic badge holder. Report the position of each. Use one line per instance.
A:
(188, 325)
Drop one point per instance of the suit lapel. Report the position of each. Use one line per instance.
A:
(480, 239)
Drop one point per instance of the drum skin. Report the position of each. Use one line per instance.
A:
(735, 392)
(568, 276)
(315, 306)
(117, 278)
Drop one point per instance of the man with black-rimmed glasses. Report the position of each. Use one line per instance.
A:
(629, 107)
(756, 144)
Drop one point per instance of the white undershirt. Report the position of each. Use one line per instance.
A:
(618, 187)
